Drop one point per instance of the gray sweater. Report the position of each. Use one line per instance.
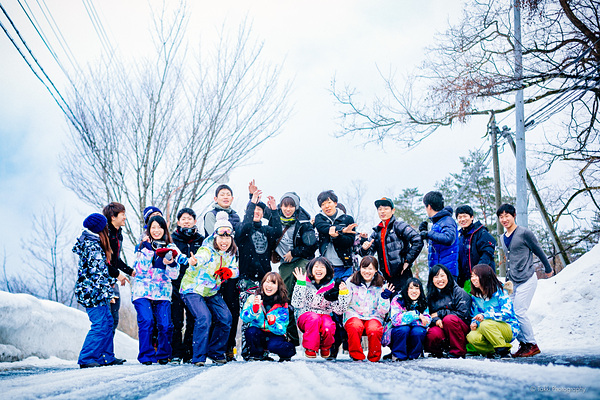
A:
(519, 257)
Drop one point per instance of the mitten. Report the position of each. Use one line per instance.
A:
(223, 273)
(256, 306)
(162, 252)
(271, 319)
(334, 293)
(423, 226)
(386, 294)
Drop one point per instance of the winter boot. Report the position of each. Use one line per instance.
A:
(531, 351)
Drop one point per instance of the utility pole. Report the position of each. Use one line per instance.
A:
(538, 200)
(521, 168)
(493, 130)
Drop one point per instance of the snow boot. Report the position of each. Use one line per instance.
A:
(532, 350)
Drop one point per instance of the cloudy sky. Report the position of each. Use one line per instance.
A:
(315, 40)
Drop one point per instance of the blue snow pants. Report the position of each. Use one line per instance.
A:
(97, 347)
(148, 310)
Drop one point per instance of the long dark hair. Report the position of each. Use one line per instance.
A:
(105, 243)
(232, 250)
(357, 277)
(163, 224)
(281, 296)
(433, 292)
(487, 280)
(328, 266)
(421, 303)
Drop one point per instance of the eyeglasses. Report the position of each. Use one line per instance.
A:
(224, 231)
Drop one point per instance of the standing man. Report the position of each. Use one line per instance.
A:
(223, 200)
(519, 246)
(443, 236)
(397, 245)
(475, 246)
(115, 214)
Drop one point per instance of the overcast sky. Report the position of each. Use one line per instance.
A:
(316, 40)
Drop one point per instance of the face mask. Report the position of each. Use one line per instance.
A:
(188, 232)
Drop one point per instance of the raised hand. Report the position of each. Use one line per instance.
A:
(271, 203)
(367, 245)
(256, 196)
(299, 275)
(252, 187)
(350, 228)
(192, 260)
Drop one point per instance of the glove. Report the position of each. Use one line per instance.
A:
(334, 293)
(423, 226)
(424, 235)
(386, 294)
(162, 252)
(223, 273)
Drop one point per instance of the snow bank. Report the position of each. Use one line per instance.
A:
(43, 328)
(565, 307)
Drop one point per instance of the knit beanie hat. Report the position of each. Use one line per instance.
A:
(149, 211)
(222, 221)
(292, 195)
(95, 223)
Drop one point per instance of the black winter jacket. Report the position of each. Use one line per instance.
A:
(475, 246)
(186, 244)
(255, 242)
(116, 239)
(343, 243)
(304, 238)
(457, 302)
(402, 244)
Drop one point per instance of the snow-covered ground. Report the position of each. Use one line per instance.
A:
(46, 338)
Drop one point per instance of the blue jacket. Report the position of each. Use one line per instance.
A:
(443, 241)
(259, 319)
(498, 308)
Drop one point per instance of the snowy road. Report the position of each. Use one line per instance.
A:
(343, 380)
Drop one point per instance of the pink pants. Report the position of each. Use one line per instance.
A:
(373, 329)
(318, 330)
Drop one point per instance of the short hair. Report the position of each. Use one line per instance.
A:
(434, 199)
(326, 195)
(488, 281)
(186, 210)
(221, 187)
(112, 210)
(288, 202)
(163, 224)
(464, 210)
(328, 266)
(506, 208)
(358, 279)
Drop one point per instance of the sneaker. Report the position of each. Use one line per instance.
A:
(199, 364)
(522, 348)
(230, 356)
(90, 365)
(388, 357)
(531, 351)
(147, 363)
(220, 361)
(117, 361)
(175, 361)
(310, 353)
(163, 361)
(325, 353)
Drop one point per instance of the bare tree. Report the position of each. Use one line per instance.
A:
(48, 255)
(470, 71)
(164, 130)
(353, 199)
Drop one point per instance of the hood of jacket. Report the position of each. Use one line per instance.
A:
(445, 212)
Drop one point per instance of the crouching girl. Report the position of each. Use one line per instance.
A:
(315, 297)
(410, 319)
(157, 262)
(494, 324)
(268, 316)
(369, 303)
(200, 291)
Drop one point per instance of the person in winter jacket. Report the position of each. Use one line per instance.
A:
(519, 245)
(216, 263)
(443, 236)
(295, 247)
(223, 200)
(450, 308)
(397, 244)
(493, 320)
(267, 314)
(188, 240)
(93, 290)
(475, 246)
(369, 303)
(115, 215)
(410, 318)
(315, 297)
(255, 243)
(157, 262)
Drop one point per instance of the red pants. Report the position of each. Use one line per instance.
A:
(318, 331)
(452, 336)
(373, 329)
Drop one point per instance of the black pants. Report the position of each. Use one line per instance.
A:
(182, 343)
(231, 295)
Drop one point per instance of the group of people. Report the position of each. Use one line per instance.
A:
(317, 276)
